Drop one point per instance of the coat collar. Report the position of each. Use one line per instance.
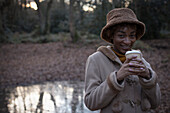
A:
(107, 51)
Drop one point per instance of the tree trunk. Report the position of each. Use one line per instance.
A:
(113, 4)
(25, 4)
(5, 6)
(1, 23)
(136, 6)
(79, 13)
(105, 7)
(40, 14)
(72, 22)
(47, 16)
(44, 18)
(62, 4)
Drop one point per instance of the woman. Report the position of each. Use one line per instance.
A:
(114, 84)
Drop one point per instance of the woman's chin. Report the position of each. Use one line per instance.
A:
(123, 51)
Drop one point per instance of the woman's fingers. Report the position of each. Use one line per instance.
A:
(130, 59)
(136, 65)
(137, 61)
(136, 70)
(132, 66)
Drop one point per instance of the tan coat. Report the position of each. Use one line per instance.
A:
(103, 92)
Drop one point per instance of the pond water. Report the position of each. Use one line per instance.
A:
(50, 97)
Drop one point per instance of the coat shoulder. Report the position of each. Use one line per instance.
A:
(96, 55)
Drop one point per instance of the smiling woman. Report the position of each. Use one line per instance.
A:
(114, 83)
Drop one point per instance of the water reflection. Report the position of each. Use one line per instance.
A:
(56, 97)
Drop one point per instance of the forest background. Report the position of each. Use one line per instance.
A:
(49, 40)
(26, 20)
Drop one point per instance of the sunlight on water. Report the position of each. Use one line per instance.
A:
(56, 97)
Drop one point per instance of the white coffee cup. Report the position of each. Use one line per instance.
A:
(137, 53)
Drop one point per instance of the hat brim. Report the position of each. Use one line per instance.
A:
(140, 28)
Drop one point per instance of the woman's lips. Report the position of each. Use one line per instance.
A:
(125, 47)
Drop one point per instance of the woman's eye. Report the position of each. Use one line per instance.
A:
(121, 36)
(132, 36)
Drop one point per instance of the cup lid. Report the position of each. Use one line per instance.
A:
(133, 51)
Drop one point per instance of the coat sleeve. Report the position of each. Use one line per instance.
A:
(151, 88)
(98, 93)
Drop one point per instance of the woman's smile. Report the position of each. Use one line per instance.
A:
(125, 47)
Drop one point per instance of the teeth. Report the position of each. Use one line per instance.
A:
(125, 47)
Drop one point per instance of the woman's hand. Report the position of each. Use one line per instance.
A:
(138, 68)
(133, 66)
(125, 70)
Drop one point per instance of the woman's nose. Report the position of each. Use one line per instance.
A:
(127, 40)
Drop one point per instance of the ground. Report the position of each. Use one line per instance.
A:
(24, 64)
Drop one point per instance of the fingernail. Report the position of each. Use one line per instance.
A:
(141, 68)
(130, 63)
(130, 69)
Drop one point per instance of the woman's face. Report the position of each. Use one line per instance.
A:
(124, 38)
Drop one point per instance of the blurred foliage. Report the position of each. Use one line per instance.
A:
(84, 38)
(155, 14)
(28, 38)
(15, 18)
(59, 22)
(139, 44)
